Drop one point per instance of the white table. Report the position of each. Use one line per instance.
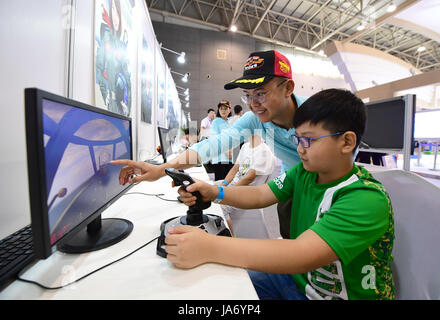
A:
(143, 275)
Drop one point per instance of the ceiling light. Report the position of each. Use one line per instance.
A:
(184, 76)
(421, 49)
(392, 7)
(181, 58)
(233, 28)
(181, 55)
(360, 27)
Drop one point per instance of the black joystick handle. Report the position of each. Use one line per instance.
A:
(195, 212)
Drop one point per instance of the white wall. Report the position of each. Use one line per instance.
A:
(83, 45)
(41, 41)
(33, 54)
(147, 137)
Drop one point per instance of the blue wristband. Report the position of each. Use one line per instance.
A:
(225, 182)
(221, 194)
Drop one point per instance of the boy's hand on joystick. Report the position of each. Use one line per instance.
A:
(192, 196)
(207, 192)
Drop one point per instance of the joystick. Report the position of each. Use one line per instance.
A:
(194, 216)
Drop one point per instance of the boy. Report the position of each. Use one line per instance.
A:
(341, 227)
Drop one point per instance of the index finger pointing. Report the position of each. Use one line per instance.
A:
(123, 162)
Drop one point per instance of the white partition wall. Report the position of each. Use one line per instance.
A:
(52, 45)
(33, 54)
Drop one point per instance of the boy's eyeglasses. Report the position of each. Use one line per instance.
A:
(259, 97)
(305, 141)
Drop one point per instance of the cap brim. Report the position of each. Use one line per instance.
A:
(249, 81)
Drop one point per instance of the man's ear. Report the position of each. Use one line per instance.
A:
(349, 142)
(290, 86)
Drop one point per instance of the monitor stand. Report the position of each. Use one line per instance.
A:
(99, 234)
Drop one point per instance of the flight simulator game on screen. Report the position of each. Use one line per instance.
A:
(75, 178)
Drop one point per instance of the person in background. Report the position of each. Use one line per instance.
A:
(254, 165)
(205, 124)
(188, 140)
(238, 112)
(222, 163)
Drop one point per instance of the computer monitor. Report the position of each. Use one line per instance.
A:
(165, 143)
(69, 146)
(390, 126)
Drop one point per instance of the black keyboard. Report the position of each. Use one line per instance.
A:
(16, 252)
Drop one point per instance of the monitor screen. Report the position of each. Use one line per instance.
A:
(386, 121)
(70, 145)
(165, 143)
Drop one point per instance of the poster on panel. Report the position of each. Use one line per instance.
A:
(147, 79)
(173, 104)
(115, 55)
(161, 97)
(184, 120)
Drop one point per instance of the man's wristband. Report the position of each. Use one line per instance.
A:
(221, 194)
(225, 182)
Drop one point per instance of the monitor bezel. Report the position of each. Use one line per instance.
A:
(423, 138)
(36, 169)
(408, 130)
(162, 141)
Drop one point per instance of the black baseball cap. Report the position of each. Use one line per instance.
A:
(260, 68)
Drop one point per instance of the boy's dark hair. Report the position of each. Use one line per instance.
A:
(336, 109)
(210, 109)
(237, 109)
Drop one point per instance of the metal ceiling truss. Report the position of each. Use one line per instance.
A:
(308, 25)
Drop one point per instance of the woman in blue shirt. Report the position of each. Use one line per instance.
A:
(221, 163)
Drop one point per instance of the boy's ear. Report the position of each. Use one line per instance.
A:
(349, 142)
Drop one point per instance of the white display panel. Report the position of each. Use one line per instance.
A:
(427, 125)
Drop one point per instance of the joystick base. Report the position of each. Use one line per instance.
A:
(212, 224)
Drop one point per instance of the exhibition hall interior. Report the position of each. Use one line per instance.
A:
(96, 94)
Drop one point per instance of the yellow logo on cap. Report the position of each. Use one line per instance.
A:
(258, 80)
(284, 67)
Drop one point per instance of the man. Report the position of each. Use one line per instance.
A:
(206, 123)
(238, 112)
(268, 92)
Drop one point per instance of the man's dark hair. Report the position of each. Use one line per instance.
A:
(186, 131)
(210, 109)
(336, 109)
(237, 109)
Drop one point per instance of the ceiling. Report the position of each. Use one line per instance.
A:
(309, 24)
